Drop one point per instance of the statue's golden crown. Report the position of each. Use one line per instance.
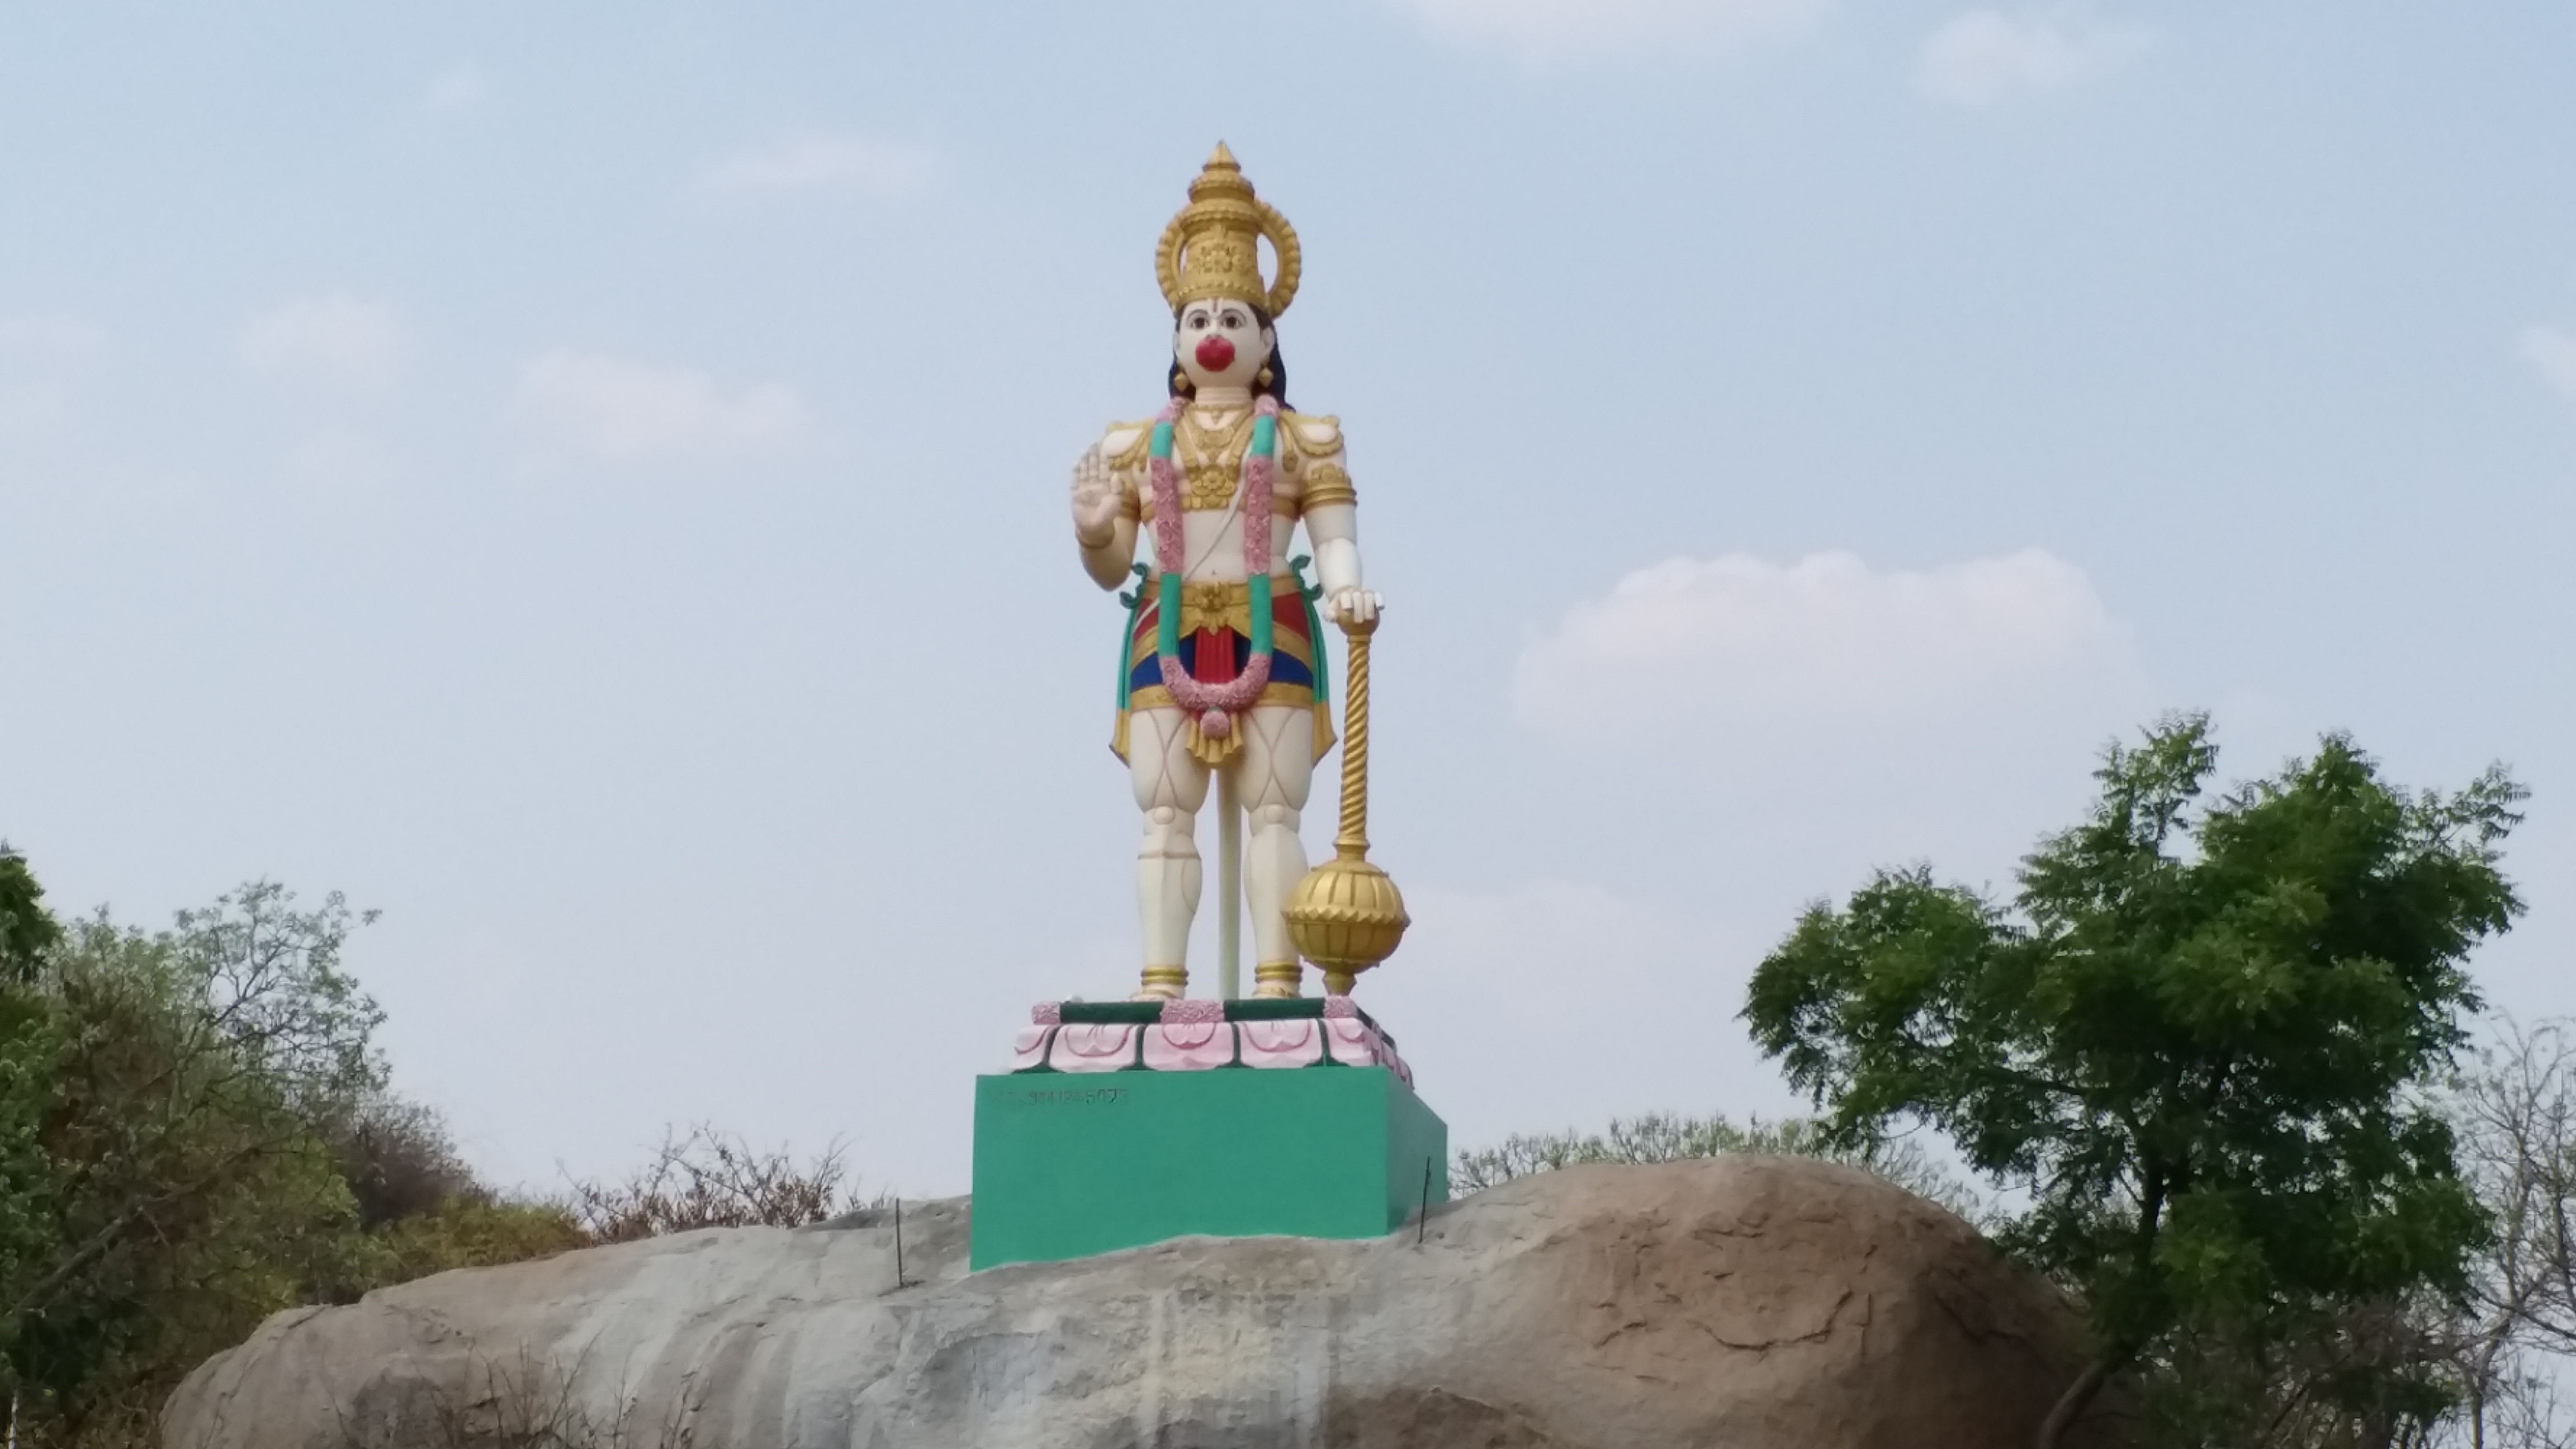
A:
(1213, 247)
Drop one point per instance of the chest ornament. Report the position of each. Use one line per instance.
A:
(1212, 461)
(1216, 705)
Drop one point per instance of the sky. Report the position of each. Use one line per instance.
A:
(589, 482)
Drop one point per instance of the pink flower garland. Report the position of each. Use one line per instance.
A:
(1216, 705)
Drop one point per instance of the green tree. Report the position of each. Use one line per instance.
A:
(173, 1188)
(195, 1131)
(27, 929)
(2198, 1048)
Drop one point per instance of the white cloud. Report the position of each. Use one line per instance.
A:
(334, 339)
(2553, 352)
(1986, 57)
(862, 164)
(621, 409)
(1545, 30)
(1784, 727)
(457, 88)
(1826, 637)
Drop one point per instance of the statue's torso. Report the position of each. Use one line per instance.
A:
(1208, 445)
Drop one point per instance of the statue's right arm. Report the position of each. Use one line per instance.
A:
(1104, 510)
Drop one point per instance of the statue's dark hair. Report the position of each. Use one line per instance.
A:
(1173, 378)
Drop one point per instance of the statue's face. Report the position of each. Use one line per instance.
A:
(1221, 343)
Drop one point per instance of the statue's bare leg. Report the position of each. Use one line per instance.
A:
(1171, 784)
(1277, 764)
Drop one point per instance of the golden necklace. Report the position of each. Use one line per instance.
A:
(1212, 461)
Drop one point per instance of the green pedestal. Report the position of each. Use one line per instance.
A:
(1067, 1165)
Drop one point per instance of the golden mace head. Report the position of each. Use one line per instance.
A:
(1346, 916)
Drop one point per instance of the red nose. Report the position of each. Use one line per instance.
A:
(1216, 354)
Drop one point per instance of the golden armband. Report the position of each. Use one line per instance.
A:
(1327, 485)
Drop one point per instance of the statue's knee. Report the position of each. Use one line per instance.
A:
(1274, 817)
(1169, 831)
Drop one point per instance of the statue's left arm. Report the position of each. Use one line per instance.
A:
(1332, 516)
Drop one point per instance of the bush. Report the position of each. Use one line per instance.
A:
(705, 1178)
(196, 1131)
(477, 1230)
(1658, 1137)
(397, 1158)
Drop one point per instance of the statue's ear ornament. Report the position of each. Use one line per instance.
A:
(1212, 248)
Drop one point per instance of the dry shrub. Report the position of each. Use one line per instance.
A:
(709, 1179)
(1662, 1137)
(397, 1157)
(474, 1229)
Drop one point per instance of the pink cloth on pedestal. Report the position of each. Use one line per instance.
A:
(1029, 1052)
(1281, 1043)
(1188, 1046)
(1085, 1047)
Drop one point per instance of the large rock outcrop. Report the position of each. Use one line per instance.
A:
(1753, 1303)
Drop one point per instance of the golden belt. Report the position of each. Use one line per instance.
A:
(1225, 603)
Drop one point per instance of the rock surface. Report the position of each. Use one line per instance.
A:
(1753, 1303)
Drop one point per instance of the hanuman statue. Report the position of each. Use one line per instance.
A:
(1223, 671)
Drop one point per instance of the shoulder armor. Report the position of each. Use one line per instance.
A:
(1318, 435)
(1125, 445)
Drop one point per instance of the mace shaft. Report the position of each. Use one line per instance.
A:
(1353, 841)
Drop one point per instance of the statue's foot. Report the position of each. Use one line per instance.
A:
(1277, 981)
(1163, 983)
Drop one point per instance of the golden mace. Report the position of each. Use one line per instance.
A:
(1346, 916)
